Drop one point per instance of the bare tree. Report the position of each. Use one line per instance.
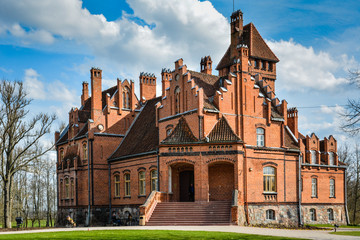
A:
(19, 137)
(351, 116)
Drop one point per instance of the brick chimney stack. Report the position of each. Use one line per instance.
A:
(206, 65)
(96, 101)
(292, 121)
(165, 77)
(147, 86)
(85, 93)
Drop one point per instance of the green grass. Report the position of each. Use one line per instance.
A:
(332, 226)
(36, 224)
(348, 233)
(137, 234)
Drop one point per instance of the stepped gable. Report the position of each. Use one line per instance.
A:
(289, 141)
(257, 46)
(181, 134)
(222, 132)
(209, 83)
(143, 135)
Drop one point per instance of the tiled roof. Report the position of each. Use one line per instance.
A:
(82, 131)
(87, 104)
(64, 137)
(209, 83)
(181, 134)
(143, 135)
(222, 132)
(289, 141)
(71, 152)
(209, 105)
(84, 115)
(257, 46)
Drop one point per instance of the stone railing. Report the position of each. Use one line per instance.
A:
(234, 207)
(148, 207)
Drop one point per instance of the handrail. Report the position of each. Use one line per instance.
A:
(234, 207)
(148, 207)
(235, 198)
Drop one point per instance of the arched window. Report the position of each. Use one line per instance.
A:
(332, 187)
(72, 189)
(127, 184)
(153, 175)
(313, 156)
(331, 158)
(269, 179)
(117, 185)
(142, 190)
(270, 214)
(61, 157)
(85, 153)
(312, 214)
(260, 136)
(177, 100)
(330, 214)
(67, 193)
(314, 187)
(126, 98)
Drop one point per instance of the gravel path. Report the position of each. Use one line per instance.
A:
(309, 234)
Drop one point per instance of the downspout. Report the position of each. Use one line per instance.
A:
(245, 188)
(89, 203)
(92, 173)
(345, 196)
(110, 215)
(158, 170)
(299, 190)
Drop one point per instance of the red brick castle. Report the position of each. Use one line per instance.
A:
(210, 150)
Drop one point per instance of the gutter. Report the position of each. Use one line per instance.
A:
(110, 215)
(133, 155)
(345, 196)
(158, 170)
(89, 203)
(245, 189)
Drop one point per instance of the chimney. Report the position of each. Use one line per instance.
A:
(147, 86)
(85, 93)
(206, 65)
(292, 121)
(57, 136)
(96, 95)
(165, 77)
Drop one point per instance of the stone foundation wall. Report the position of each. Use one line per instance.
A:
(285, 215)
(322, 216)
(99, 216)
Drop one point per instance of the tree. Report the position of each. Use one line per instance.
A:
(20, 136)
(352, 113)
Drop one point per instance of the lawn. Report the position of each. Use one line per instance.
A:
(137, 234)
(348, 233)
(332, 226)
(36, 224)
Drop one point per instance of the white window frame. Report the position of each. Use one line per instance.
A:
(314, 192)
(270, 214)
(260, 137)
(313, 214)
(331, 158)
(313, 157)
(332, 187)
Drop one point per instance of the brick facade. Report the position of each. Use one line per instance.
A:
(227, 135)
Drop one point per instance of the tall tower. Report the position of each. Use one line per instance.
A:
(236, 26)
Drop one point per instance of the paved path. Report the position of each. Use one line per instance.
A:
(309, 234)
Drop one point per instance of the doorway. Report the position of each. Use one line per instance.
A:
(187, 189)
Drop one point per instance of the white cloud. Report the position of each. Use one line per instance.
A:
(333, 110)
(301, 68)
(34, 87)
(189, 29)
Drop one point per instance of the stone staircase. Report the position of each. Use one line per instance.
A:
(191, 213)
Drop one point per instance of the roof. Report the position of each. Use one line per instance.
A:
(71, 152)
(82, 131)
(289, 141)
(143, 135)
(181, 134)
(87, 104)
(64, 136)
(222, 132)
(257, 47)
(209, 83)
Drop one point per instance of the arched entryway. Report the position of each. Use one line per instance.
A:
(221, 181)
(182, 182)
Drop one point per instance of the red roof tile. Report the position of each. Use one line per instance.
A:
(181, 134)
(222, 132)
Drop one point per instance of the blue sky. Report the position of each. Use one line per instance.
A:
(51, 46)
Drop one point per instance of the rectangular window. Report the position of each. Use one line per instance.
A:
(260, 136)
(117, 185)
(332, 187)
(72, 189)
(142, 189)
(127, 185)
(313, 214)
(313, 156)
(269, 179)
(67, 193)
(153, 180)
(314, 187)
(331, 158)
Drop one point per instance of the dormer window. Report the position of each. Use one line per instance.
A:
(313, 157)
(126, 98)
(331, 158)
(177, 100)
